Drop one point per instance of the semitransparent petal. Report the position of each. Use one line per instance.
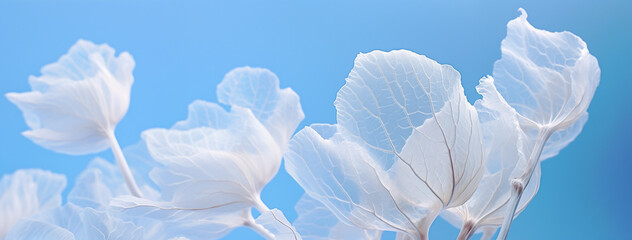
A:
(77, 101)
(27, 192)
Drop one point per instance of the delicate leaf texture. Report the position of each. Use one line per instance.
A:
(504, 148)
(101, 182)
(316, 222)
(72, 222)
(549, 79)
(341, 175)
(78, 100)
(87, 214)
(27, 192)
(275, 222)
(257, 89)
(215, 164)
(407, 145)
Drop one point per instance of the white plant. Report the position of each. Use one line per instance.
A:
(384, 166)
(549, 79)
(407, 145)
(215, 164)
(88, 215)
(74, 106)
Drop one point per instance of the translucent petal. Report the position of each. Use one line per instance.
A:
(505, 145)
(72, 222)
(38, 230)
(257, 89)
(549, 78)
(342, 176)
(316, 222)
(27, 192)
(213, 165)
(207, 167)
(99, 183)
(209, 223)
(407, 140)
(78, 100)
(275, 222)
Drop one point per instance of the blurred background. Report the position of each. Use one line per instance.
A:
(183, 49)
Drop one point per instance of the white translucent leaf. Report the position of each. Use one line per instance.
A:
(257, 89)
(408, 109)
(505, 151)
(316, 222)
(38, 230)
(99, 183)
(78, 100)
(342, 176)
(27, 192)
(549, 78)
(415, 138)
(72, 222)
(209, 223)
(275, 222)
(206, 167)
(561, 138)
(213, 166)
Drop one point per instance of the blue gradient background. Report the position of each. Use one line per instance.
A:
(182, 50)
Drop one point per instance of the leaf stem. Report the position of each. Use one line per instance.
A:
(122, 164)
(520, 183)
(467, 230)
(258, 228)
(260, 206)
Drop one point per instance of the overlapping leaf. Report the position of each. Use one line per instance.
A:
(505, 151)
(27, 192)
(407, 145)
(316, 222)
(215, 164)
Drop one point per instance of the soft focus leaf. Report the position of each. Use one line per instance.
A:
(316, 222)
(214, 165)
(78, 100)
(39, 230)
(27, 192)
(257, 89)
(72, 222)
(99, 183)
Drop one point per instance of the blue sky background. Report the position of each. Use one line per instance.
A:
(183, 49)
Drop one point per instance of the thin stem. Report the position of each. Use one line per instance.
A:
(467, 230)
(258, 228)
(122, 164)
(260, 206)
(519, 184)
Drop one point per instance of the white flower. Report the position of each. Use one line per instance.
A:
(216, 163)
(549, 79)
(78, 100)
(74, 106)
